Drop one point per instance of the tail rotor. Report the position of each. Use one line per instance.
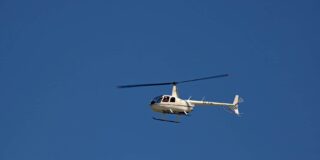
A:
(235, 105)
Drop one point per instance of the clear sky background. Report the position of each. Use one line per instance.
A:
(60, 63)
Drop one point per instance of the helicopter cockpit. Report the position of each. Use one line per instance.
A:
(163, 98)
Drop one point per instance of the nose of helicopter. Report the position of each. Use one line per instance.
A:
(155, 106)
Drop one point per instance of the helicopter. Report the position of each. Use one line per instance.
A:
(173, 104)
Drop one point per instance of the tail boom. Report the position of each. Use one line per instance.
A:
(232, 106)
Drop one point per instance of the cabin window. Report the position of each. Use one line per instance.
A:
(173, 99)
(165, 99)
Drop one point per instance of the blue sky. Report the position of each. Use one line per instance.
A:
(61, 60)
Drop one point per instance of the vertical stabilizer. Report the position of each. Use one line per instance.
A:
(236, 100)
(235, 103)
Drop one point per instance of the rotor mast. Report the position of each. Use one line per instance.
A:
(174, 90)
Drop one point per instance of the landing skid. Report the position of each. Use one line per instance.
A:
(165, 120)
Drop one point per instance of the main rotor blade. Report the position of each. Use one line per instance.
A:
(204, 78)
(145, 85)
(170, 83)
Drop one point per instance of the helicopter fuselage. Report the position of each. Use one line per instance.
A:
(171, 105)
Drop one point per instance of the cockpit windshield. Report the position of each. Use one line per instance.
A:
(157, 99)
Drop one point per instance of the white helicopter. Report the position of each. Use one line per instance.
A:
(172, 104)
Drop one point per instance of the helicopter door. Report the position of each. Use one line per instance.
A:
(165, 99)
